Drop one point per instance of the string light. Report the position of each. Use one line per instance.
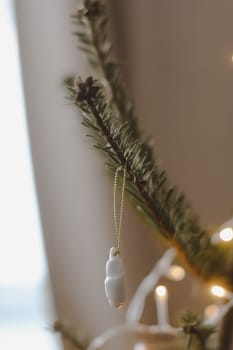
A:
(212, 313)
(226, 234)
(161, 291)
(176, 273)
(161, 299)
(218, 291)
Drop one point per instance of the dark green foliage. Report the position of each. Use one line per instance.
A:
(93, 37)
(108, 113)
(197, 334)
(146, 183)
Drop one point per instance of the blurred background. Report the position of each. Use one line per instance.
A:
(56, 222)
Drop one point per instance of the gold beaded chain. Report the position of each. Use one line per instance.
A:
(118, 224)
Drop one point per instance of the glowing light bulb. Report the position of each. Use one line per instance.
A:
(211, 311)
(161, 291)
(161, 299)
(176, 273)
(218, 291)
(226, 234)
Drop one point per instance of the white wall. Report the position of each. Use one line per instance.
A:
(181, 72)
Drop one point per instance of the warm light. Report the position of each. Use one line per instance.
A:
(218, 291)
(211, 311)
(176, 273)
(161, 299)
(226, 234)
(139, 346)
(161, 291)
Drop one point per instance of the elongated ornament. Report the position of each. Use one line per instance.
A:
(115, 280)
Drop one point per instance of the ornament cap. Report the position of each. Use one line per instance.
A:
(113, 252)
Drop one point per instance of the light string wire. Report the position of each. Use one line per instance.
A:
(137, 303)
(118, 220)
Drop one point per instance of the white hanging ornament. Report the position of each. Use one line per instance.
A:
(115, 280)
(115, 276)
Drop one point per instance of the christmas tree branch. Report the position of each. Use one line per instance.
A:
(93, 36)
(114, 128)
(163, 205)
